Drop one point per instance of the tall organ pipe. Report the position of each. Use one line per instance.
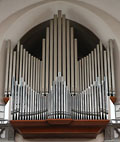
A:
(23, 70)
(112, 66)
(36, 74)
(38, 80)
(10, 69)
(93, 69)
(59, 41)
(80, 72)
(100, 98)
(43, 65)
(101, 61)
(7, 66)
(68, 53)
(72, 59)
(64, 47)
(83, 78)
(17, 68)
(109, 71)
(26, 67)
(34, 78)
(47, 60)
(51, 54)
(85, 73)
(55, 46)
(14, 64)
(88, 69)
(29, 61)
(106, 80)
(21, 60)
(31, 75)
(76, 66)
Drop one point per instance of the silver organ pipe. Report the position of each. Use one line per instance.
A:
(76, 69)
(51, 54)
(109, 71)
(23, 70)
(112, 67)
(64, 47)
(14, 63)
(38, 79)
(29, 59)
(60, 85)
(68, 53)
(7, 67)
(88, 69)
(93, 69)
(106, 81)
(95, 64)
(21, 54)
(43, 65)
(17, 68)
(101, 60)
(59, 41)
(40, 75)
(85, 73)
(34, 73)
(72, 60)
(83, 78)
(55, 47)
(80, 72)
(31, 75)
(47, 60)
(10, 68)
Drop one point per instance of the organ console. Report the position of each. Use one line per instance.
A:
(60, 86)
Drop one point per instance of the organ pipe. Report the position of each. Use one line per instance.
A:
(59, 41)
(112, 67)
(51, 54)
(55, 46)
(21, 58)
(68, 53)
(101, 60)
(23, 71)
(7, 67)
(60, 85)
(31, 75)
(10, 68)
(72, 59)
(47, 60)
(80, 76)
(109, 71)
(17, 68)
(76, 69)
(64, 47)
(14, 64)
(43, 65)
(29, 60)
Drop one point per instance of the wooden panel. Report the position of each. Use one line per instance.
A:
(59, 128)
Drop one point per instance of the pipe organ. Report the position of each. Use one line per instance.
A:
(60, 85)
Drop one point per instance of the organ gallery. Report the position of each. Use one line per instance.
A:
(61, 88)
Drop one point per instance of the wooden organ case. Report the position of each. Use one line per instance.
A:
(59, 96)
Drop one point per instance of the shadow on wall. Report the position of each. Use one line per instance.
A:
(32, 40)
(99, 138)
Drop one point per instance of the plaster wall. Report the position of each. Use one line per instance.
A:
(18, 17)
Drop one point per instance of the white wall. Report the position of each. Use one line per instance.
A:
(18, 17)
